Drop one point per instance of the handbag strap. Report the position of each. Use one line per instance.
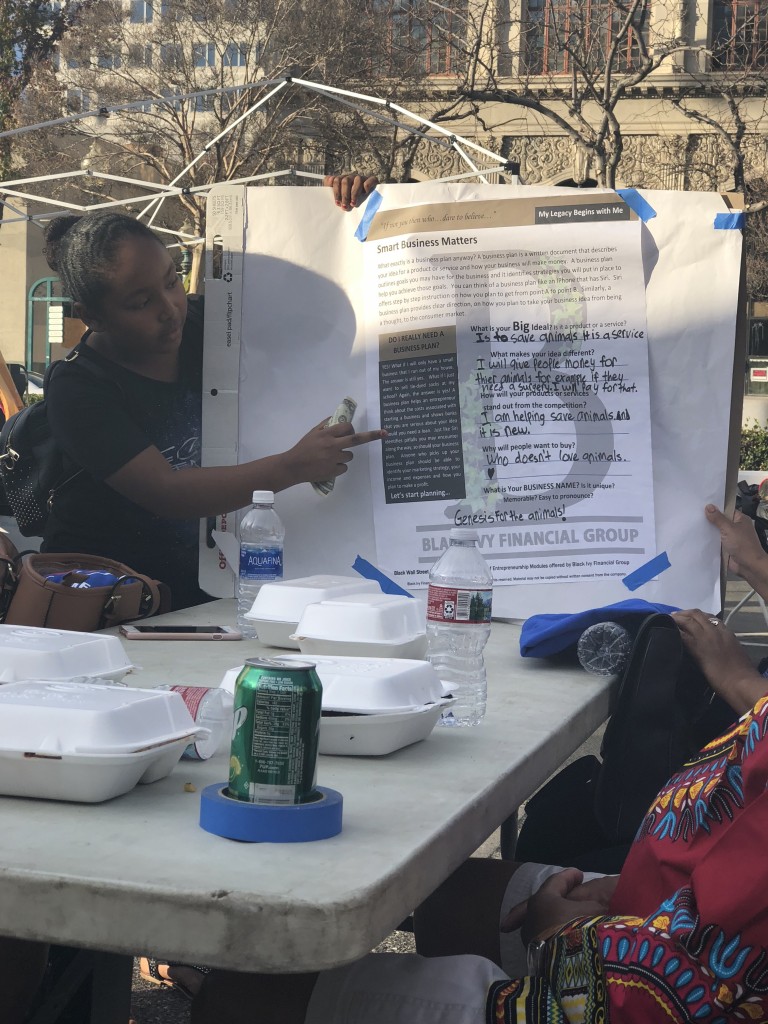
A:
(8, 579)
(149, 602)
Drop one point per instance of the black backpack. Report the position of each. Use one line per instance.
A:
(33, 467)
(663, 713)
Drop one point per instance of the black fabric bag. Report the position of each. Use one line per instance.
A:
(747, 498)
(33, 468)
(664, 711)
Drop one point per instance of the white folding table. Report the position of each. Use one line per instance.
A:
(138, 875)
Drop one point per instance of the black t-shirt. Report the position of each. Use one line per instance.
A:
(102, 422)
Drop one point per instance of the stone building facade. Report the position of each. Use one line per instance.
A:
(718, 71)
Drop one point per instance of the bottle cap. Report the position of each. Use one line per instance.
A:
(263, 497)
(462, 533)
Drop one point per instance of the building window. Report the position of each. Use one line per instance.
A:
(230, 101)
(108, 61)
(139, 55)
(171, 55)
(425, 36)
(204, 104)
(141, 12)
(739, 34)
(172, 103)
(235, 55)
(203, 55)
(77, 101)
(562, 34)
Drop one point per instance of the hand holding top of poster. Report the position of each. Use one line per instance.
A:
(350, 190)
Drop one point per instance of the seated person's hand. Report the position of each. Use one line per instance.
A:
(561, 898)
(738, 537)
(350, 190)
(721, 658)
(598, 890)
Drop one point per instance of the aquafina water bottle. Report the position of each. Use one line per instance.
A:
(261, 555)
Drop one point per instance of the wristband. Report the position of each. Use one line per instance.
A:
(537, 958)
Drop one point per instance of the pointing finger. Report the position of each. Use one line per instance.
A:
(364, 437)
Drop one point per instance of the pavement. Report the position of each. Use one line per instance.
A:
(154, 1005)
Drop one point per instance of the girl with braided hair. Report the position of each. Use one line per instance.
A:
(126, 407)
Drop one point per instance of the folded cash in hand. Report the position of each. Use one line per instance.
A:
(343, 414)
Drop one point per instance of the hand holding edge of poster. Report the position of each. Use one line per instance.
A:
(677, 408)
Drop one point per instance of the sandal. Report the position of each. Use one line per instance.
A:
(149, 970)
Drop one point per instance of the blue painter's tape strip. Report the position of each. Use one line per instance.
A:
(372, 203)
(635, 202)
(647, 572)
(270, 823)
(729, 221)
(370, 572)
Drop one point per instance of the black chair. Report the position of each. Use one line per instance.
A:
(761, 529)
(19, 377)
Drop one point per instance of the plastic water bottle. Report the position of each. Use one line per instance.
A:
(459, 624)
(210, 707)
(604, 648)
(261, 555)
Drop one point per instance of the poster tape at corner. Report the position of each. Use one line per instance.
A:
(647, 572)
(270, 823)
(729, 221)
(372, 204)
(369, 572)
(635, 202)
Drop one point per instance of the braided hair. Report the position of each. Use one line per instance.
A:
(82, 251)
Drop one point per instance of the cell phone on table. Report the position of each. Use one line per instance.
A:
(180, 633)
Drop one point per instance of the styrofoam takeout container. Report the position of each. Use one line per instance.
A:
(364, 625)
(371, 706)
(375, 735)
(279, 606)
(29, 652)
(373, 686)
(87, 742)
(366, 686)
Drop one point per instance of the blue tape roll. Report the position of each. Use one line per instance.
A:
(647, 572)
(270, 823)
(372, 203)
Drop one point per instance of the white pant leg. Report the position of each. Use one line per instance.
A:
(404, 988)
(527, 880)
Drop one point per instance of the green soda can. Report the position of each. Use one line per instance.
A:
(273, 757)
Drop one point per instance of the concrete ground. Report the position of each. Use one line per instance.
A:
(152, 1005)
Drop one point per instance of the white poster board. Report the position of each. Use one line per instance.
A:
(611, 336)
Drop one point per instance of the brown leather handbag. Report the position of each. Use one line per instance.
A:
(8, 559)
(30, 599)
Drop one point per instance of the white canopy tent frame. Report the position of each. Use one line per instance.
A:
(160, 192)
